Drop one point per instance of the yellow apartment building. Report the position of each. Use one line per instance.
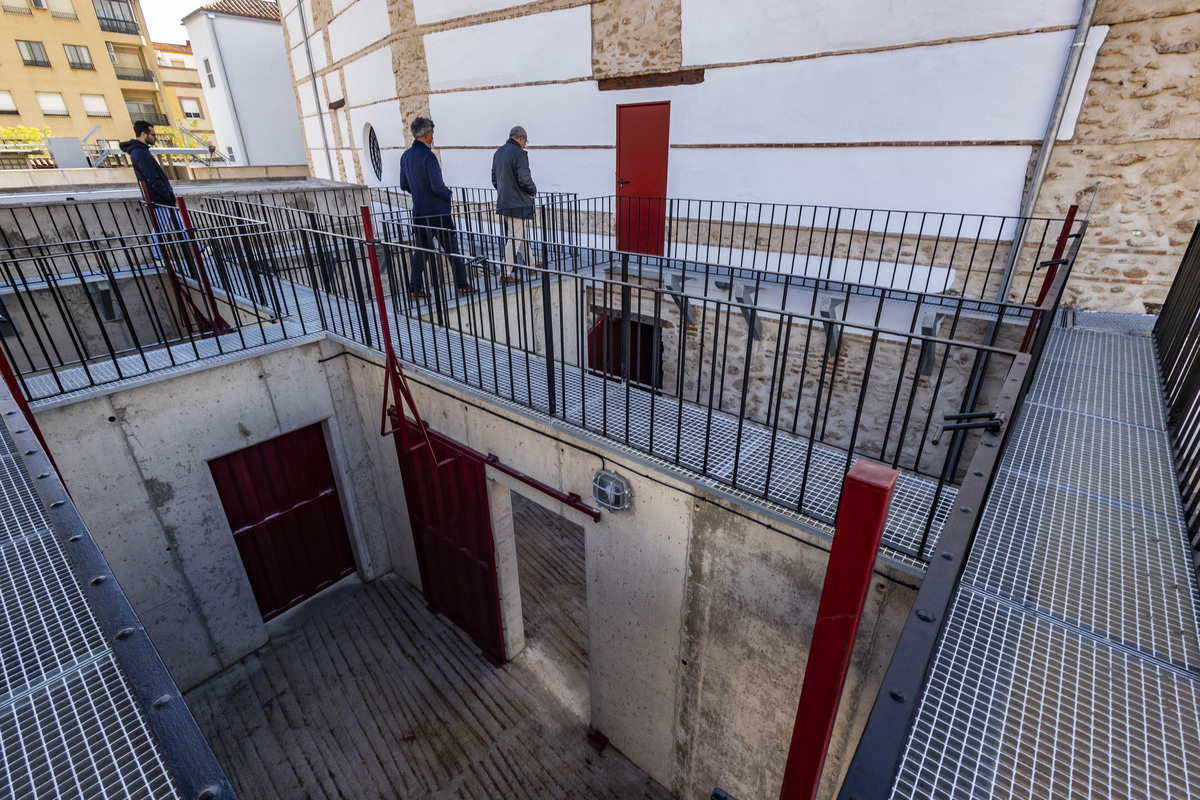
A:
(73, 65)
(182, 92)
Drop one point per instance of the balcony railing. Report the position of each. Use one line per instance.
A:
(81, 64)
(153, 118)
(113, 25)
(134, 73)
(763, 381)
(35, 62)
(17, 9)
(64, 15)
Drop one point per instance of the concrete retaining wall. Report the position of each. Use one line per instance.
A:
(699, 610)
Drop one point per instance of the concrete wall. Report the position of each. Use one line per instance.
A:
(136, 466)
(699, 610)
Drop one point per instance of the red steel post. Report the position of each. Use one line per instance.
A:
(865, 498)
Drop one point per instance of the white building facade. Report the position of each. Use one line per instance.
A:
(868, 105)
(244, 73)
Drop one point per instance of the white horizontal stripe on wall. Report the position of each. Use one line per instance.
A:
(715, 31)
(553, 46)
(370, 79)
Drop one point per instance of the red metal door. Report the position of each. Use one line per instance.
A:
(282, 504)
(446, 490)
(643, 139)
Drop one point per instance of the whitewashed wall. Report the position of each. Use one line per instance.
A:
(970, 105)
(716, 32)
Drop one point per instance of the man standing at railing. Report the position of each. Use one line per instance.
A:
(421, 176)
(515, 191)
(150, 175)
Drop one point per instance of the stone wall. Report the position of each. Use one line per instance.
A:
(633, 37)
(1138, 136)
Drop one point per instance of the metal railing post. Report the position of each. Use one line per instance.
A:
(548, 323)
(866, 495)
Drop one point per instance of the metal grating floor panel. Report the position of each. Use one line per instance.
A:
(1018, 706)
(1109, 321)
(1070, 662)
(69, 725)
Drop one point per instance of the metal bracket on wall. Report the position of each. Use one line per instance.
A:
(748, 294)
(675, 283)
(833, 331)
(929, 327)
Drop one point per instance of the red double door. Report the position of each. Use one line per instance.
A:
(445, 486)
(282, 504)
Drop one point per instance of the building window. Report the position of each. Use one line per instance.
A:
(52, 104)
(212, 81)
(62, 9)
(33, 53)
(78, 56)
(116, 16)
(191, 108)
(230, 151)
(373, 152)
(177, 64)
(7, 106)
(145, 109)
(127, 62)
(94, 105)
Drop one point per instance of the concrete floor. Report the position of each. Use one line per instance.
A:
(364, 693)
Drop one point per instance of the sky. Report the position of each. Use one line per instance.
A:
(162, 18)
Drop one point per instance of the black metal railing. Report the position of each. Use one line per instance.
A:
(764, 382)
(872, 770)
(115, 25)
(80, 64)
(1177, 342)
(133, 73)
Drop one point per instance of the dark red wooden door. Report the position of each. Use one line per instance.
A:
(643, 140)
(605, 351)
(282, 504)
(446, 490)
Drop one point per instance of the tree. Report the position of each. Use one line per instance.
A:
(20, 134)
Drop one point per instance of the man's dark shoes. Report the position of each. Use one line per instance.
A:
(512, 280)
(418, 295)
(465, 291)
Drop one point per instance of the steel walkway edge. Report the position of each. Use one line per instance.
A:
(1069, 665)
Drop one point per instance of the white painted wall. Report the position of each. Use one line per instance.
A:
(715, 32)
(427, 11)
(553, 46)
(253, 105)
(362, 23)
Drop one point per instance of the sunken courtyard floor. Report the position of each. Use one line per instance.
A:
(363, 692)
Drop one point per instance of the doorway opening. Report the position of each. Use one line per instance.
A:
(550, 559)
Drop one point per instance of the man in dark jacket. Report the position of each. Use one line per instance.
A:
(515, 191)
(146, 166)
(421, 176)
(158, 188)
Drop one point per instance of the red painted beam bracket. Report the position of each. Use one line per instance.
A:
(866, 495)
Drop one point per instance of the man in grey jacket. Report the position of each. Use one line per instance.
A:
(515, 191)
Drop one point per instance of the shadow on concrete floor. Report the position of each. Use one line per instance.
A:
(364, 693)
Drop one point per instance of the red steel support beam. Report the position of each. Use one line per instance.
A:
(1060, 247)
(866, 496)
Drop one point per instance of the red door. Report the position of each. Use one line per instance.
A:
(605, 345)
(447, 498)
(643, 138)
(282, 504)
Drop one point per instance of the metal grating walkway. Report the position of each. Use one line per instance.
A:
(1070, 662)
(69, 723)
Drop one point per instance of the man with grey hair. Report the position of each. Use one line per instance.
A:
(514, 199)
(421, 176)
